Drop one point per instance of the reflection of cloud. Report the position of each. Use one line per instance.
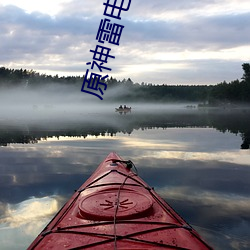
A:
(147, 144)
(229, 203)
(29, 213)
(22, 222)
(223, 156)
(221, 218)
(2, 209)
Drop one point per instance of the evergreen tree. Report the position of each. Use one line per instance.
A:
(246, 69)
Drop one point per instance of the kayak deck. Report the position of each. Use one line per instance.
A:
(116, 209)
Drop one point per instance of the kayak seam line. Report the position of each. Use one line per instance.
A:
(44, 233)
(173, 212)
(166, 208)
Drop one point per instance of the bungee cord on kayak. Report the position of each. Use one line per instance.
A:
(129, 164)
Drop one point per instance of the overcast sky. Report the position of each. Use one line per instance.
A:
(163, 41)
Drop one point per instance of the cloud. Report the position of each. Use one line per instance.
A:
(218, 32)
(40, 32)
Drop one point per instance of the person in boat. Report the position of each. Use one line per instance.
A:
(125, 106)
(120, 107)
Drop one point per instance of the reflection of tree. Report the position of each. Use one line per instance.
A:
(236, 122)
(16, 137)
(246, 141)
(222, 120)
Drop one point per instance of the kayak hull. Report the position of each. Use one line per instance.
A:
(116, 209)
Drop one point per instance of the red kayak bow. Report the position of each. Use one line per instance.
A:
(116, 209)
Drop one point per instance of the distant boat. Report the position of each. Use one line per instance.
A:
(190, 106)
(125, 110)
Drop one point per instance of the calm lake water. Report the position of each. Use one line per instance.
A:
(197, 160)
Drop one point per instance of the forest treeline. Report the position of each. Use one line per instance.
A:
(236, 91)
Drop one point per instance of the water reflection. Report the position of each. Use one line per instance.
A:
(21, 221)
(110, 123)
(31, 210)
(195, 166)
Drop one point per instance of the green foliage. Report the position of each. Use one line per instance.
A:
(246, 75)
(31, 78)
(220, 94)
(234, 92)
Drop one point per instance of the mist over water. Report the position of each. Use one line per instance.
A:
(55, 103)
(48, 102)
